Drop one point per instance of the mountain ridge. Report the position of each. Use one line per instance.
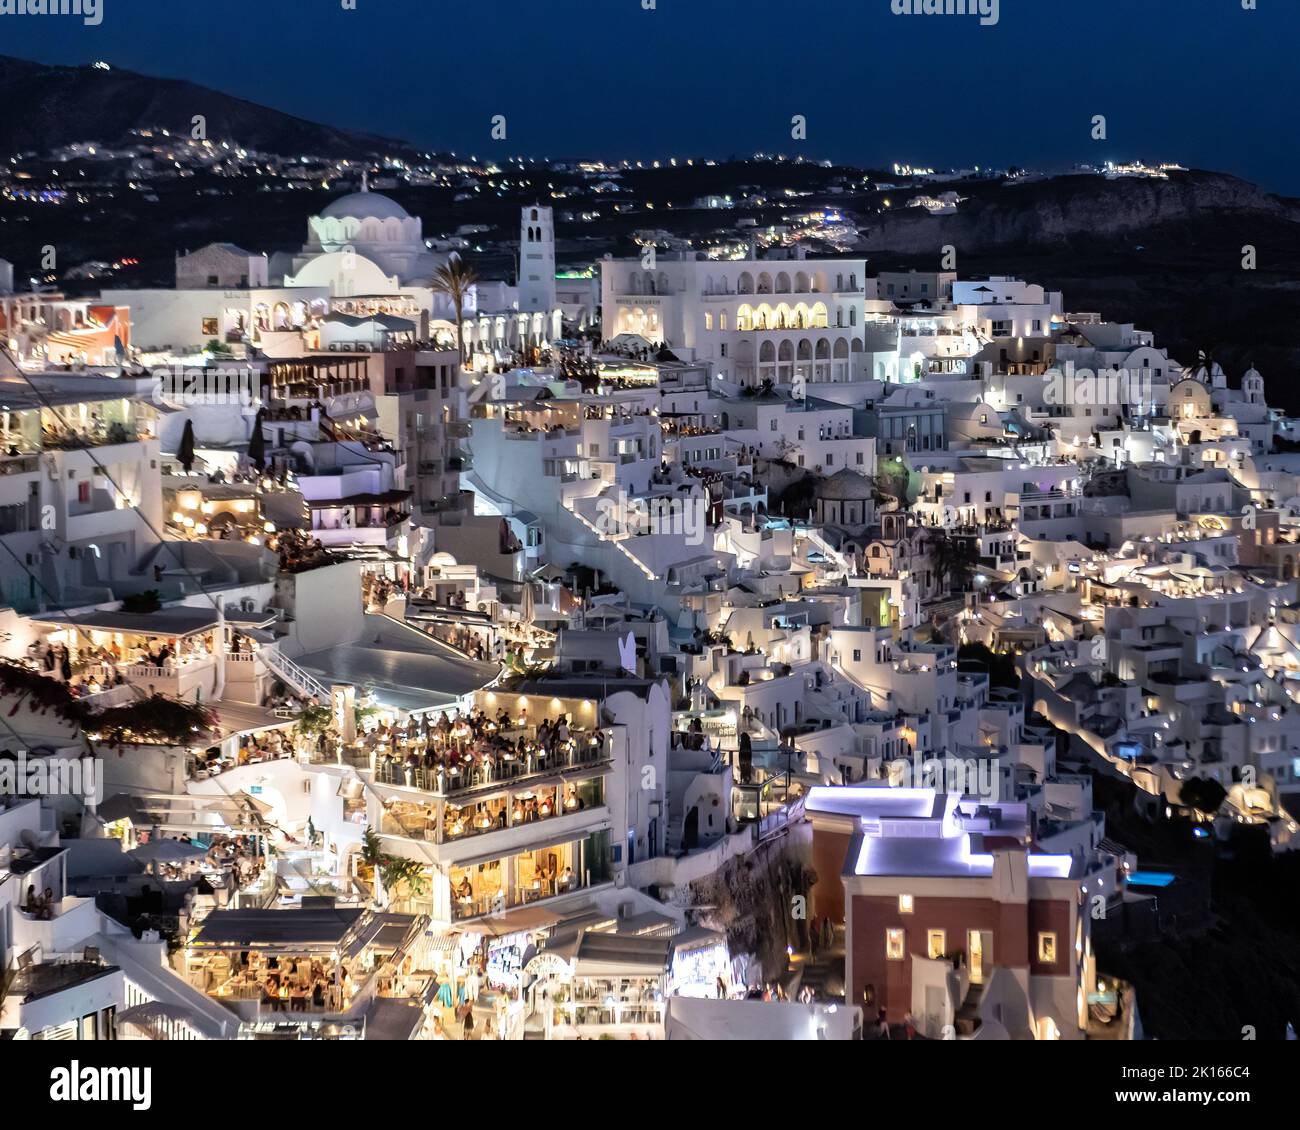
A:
(57, 101)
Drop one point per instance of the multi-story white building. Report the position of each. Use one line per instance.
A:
(754, 320)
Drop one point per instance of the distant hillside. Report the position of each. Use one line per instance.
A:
(1165, 254)
(1054, 211)
(52, 106)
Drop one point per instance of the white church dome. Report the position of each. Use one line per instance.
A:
(365, 206)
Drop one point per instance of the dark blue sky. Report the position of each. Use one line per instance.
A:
(1199, 81)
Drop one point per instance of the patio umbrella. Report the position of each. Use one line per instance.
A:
(166, 851)
(526, 604)
(257, 803)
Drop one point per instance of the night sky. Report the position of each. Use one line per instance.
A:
(1202, 82)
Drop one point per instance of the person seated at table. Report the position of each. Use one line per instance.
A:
(47, 905)
(464, 889)
(318, 993)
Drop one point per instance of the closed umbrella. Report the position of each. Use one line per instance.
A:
(257, 443)
(185, 453)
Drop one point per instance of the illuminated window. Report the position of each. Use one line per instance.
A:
(1047, 948)
(894, 944)
(936, 942)
(905, 904)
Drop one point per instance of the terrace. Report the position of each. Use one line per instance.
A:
(317, 960)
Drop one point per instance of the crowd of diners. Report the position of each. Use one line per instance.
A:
(420, 820)
(92, 668)
(292, 983)
(459, 751)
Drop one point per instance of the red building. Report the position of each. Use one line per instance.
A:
(951, 915)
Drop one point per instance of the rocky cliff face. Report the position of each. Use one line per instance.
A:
(1055, 211)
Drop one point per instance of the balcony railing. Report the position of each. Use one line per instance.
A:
(488, 773)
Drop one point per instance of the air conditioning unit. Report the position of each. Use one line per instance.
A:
(248, 604)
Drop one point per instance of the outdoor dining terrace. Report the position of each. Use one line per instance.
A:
(484, 770)
(444, 822)
(322, 960)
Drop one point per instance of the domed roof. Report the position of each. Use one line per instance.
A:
(365, 206)
(845, 486)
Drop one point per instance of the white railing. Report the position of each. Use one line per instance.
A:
(142, 671)
(288, 670)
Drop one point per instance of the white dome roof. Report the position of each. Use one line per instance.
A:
(365, 206)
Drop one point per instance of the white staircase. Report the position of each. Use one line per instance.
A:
(290, 672)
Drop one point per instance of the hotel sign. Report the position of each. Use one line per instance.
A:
(548, 965)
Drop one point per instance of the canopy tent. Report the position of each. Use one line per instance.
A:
(161, 850)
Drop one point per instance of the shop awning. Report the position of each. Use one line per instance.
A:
(309, 929)
(622, 955)
(164, 622)
(521, 920)
(536, 845)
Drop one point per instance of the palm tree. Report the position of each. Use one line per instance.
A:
(456, 278)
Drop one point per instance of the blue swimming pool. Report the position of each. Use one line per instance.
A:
(1150, 879)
